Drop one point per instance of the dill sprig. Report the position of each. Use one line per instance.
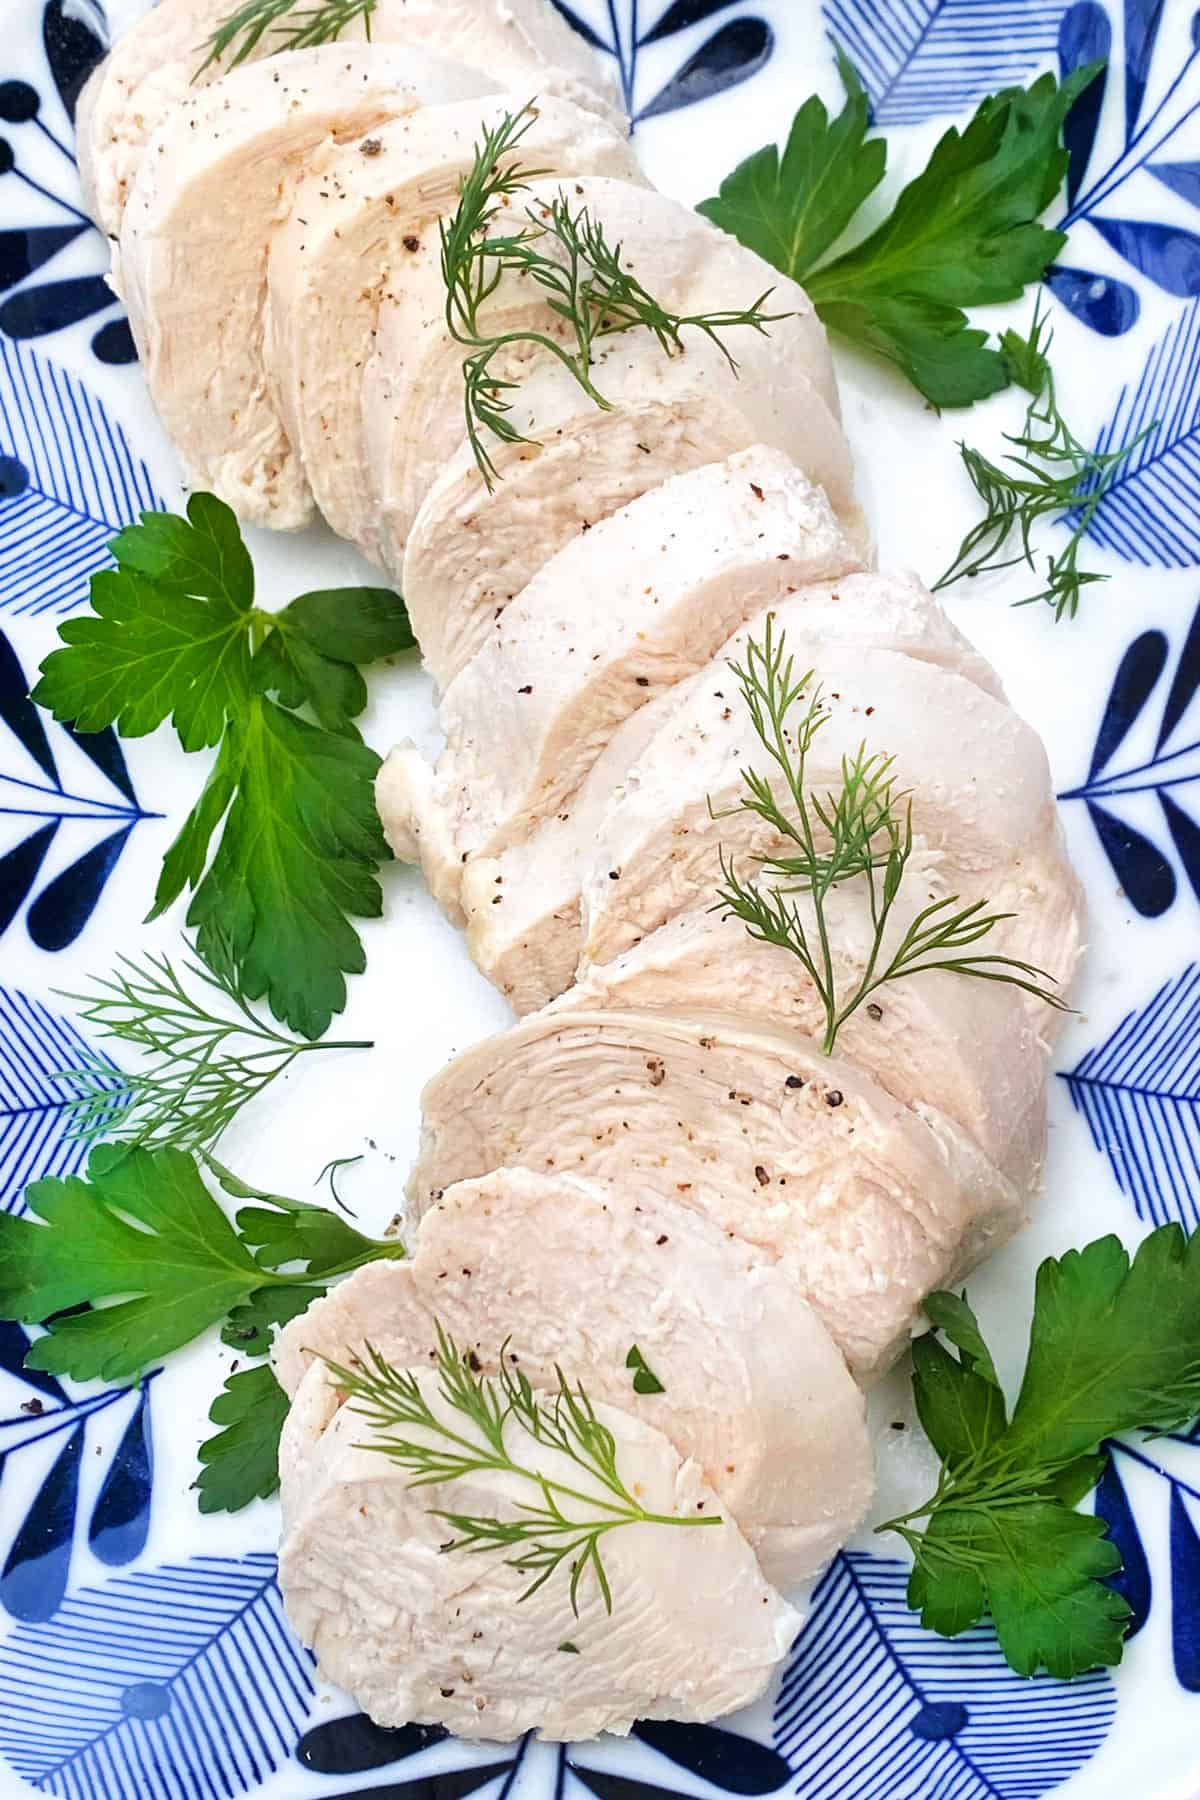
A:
(863, 832)
(1048, 474)
(562, 1524)
(290, 26)
(567, 255)
(203, 1065)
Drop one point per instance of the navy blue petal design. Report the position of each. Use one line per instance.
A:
(1107, 306)
(351, 1745)
(445, 1784)
(120, 1519)
(19, 713)
(1183, 684)
(1085, 35)
(1145, 874)
(18, 102)
(34, 1578)
(82, 484)
(734, 1763)
(1185, 835)
(23, 251)
(1139, 1092)
(1168, 254)
(1142, 20)
(65, 905)
(13, 1345)
(35, 312)
(104, 749)
(1183, 178)
(927, 1716)
(1150, 512)
(681, 15)
(730, 56)
(608, 1786)
(941, 56)
(580, 24)
(182, 1682)
(35, 1122)
(113, 343)
(1185, 1595)
(73, 48)
(20, 868)
(1134, 682)
(1132, 1581)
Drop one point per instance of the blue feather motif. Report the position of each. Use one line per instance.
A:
(1135, 1580)
(1139, 1093)
(729, 55)
(176, 1683)
(925, 1715)
(919, 58)
(36, 1131)
(68, 483)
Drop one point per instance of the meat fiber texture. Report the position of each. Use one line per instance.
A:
(157, 64)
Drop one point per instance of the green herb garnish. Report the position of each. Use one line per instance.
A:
(863, 832)
(1113, 1347)
(645, 1381)
(560, 1525)
(963, 233)
(567, 255)
(1048, 474)
(203, 1065)
(288, 24)
(174, 633)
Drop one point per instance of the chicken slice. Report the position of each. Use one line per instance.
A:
(529, 945)
(974, 773)
(361, 231)
(471, 550)
(870, 1204)
(413, 392)
(155, 65)
(421, 1636)
(573, 1273)
(967, 1048)
(620, 614)
(251, 135)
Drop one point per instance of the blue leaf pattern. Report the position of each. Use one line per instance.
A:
(1185, 1594)
(1084, 36)
(732, 54)
(36, 1045)
(1139, 1092)
(38, 1565)
(919, 58)
(1142, 20)
(176, 1683)
(1150, 512)
(72, 483)
(1132, 1581)
(926, 1715)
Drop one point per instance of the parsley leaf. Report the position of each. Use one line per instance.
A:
(240, 1463)
(250, 1327)
(645, 1381)
(142, 1242)
(963, 233)
(174, 633)
(1114, 1346)
(284, 1231)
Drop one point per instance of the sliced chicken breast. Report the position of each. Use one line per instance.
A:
(975, 774)
(418, 1635)
(529, 944)
(413, 393)
(870, 1204)
(967, 1048)
(618, 616)
(362, 228)
(155, 66)
(472, 551)
(215, 184)
(573, 1274)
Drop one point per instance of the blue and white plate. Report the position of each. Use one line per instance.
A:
(144, 1653)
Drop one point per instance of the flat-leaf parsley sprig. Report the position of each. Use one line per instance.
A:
(1048, 474)
(286, 25)
(202, 1064)
(1114, 1347)
(567, 255)
(861, 832)
(561, 1524)
(174, 633)
(963, 233)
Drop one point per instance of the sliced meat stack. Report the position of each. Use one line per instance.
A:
(658, 1172)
